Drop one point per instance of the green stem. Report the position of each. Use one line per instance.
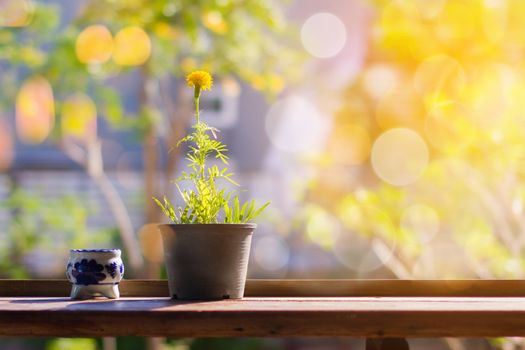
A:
(196, 97)
(196, 101)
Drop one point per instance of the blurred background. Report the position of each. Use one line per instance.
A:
(388, 136)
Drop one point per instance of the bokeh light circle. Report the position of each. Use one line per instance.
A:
(16, 13)
(35, 110)
(420, 220)
(400, 107)
(402, 28)
(79, 116)
(355, 254)
(214, 21)
(94, 44)
(399, 156)
(349, 144)
(294, 125)
(371, 241)
(151, 243)
(272, 253)
(321, 227)
(132, 46)
(323, 35)
(453, 27)
(449, 127)
(380, 79)
(442, 260)
(492, 94)
(440, 77)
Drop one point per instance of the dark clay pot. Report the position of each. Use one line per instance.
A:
(206, 261)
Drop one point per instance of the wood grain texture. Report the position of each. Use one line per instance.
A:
(62, 288)
(286, 288)
(266, 317)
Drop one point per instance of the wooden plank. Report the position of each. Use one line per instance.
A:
(334, 288)
(265, 317)
(62, 288)
(285, 288)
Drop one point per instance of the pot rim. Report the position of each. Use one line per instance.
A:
(96, 250)
(245, 225)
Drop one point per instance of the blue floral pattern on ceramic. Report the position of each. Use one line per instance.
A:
(112, 269)
(88, 272)
(94, 272)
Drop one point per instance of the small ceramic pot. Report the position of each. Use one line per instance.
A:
(94, 272)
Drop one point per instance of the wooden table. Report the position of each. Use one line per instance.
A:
(272, 309)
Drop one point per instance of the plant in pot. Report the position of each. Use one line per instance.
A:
(206, 248)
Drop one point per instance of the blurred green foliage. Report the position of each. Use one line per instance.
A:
(245, 38)
(72, 344)
(231, 344)
(39, 223)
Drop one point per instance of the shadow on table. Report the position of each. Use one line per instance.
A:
(100, 303)
(39, 300)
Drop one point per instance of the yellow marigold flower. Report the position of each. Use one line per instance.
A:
(200, 79)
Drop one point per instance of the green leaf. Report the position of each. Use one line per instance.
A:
(260, 210)
(206, 202)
